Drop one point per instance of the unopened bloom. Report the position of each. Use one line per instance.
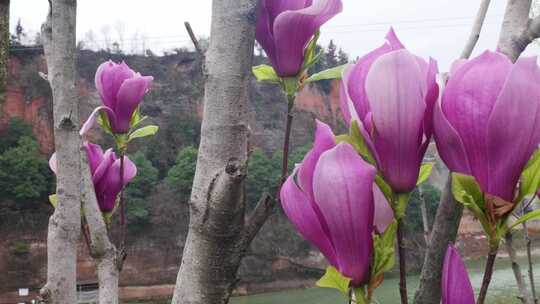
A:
(456, 286)
(390, 93)
(106, 174)
(487, 123)
(329, 200)
(121, 90)
(285, 27)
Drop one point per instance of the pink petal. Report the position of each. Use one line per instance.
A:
(456, 286)
(384, 215)
(95, 155)
(396, 89)
(52, 163)
(343, 191)
(294, 29)
(324, 140)
(513, 128)
(129, 97)
(298, 207)
(91, 120)
(467, 103)
(449, 143)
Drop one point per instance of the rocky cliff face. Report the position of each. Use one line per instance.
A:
(175, 104)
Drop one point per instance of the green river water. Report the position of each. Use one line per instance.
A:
(503, 289)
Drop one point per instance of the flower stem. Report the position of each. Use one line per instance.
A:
(402, 264)
(488, 272)
(286, 142)
(122, 203)
(122, 252)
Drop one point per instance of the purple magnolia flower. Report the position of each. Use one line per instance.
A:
(488, 122)
(384, 215)
(390, 93)
(105, 170)
(456, 286)
(121, 90)
(285, 27)
(329, 200)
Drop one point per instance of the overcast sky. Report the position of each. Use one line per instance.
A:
(437, 28)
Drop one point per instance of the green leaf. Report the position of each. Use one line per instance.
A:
(310, 58)
(53, 199)
(425, 172)
(389, 235)
(355, 139)
(384, 257)
(333, 279)
(143, 132)
(136, 118)
(529, 216)
(290, 86)
(385, 188)
(265, 73)
(103, 121)
(401, 204)
(466, 190)
(530, 177)
(360, 295)
(332, 73)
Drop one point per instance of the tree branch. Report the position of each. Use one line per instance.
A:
(444, 230)
(59, 41)
(517, 30)
(260, 214)
(212, 252)
(102, 249)
(526, 297)
(476, 29)
(193, 38)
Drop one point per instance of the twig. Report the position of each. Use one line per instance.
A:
(425, 219)
(86, 235)
(266, 203)
(476, 29)
(488, 272)
(525, 297)
(193, 38)
(518, 30)
(286, 142)
(123, 226)
(529, 254)
(402, 264)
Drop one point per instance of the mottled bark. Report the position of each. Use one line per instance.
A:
(4, 46)
(216, 239)
(425, 218)
(444, 230)
(64, 224)
(517, 30)
(102, 249)
(522, 285)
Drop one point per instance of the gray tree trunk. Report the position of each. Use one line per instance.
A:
(65, 223)
(514, 36)
(517, 31)
(216, 239)
(526, 296)
(444, 230)
(4, 46)
(425, 218)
